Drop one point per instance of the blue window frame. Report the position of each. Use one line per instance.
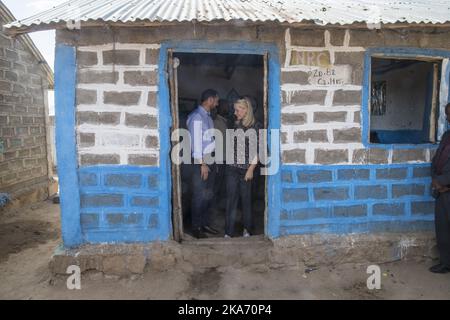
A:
(402, 53)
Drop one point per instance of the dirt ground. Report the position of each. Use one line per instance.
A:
(29, 236)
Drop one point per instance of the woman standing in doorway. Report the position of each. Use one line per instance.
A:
(241, 165)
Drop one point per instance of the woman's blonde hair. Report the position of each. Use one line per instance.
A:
(249, 119)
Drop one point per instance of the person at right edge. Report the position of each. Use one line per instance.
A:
(440, 173)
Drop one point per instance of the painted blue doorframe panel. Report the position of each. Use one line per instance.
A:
(274, 182)
(65, 88)
(393, 52)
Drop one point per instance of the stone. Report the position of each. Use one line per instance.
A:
(98, 77)
(411, 155)
(324, 117)
(151, 56)
(140, 78)
(295, 195)
(96, 159)
(121, 57)
(294, 156)
(331, 193)
(145, 160)
(86, 139)
(87, 59)
(86, 96)
(293, 119)
(347, 97)
(122, 98)
(352, 135)
(310, 136)
(105, 118)
(306, 97)
(141, 121)
(297, 77)
(330, 156)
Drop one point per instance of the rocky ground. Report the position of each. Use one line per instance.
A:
(29, 236)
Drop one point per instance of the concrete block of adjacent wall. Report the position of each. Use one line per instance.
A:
(389, 209)
(86, 59)
(98, 77)
(330, 156)
(101, 200)
(350, 211)
(324, 117)
(297, 77)
(88, 179)
(95, 159)
(347, 135)
(392, 173)
(121, 57)
(295, 195)
(401, 190)
(307, 37)
(315, 176)
(122, 98)
(141, 78)
(293, 119)
(331, 193)
(151, 56)
(305, 97)
(106, 118)
(353, 174)
(423, 207)
(86, 96)
(311, 135)
(400, 156)
(294, 156)
(145, 160)
(123, 180)
(141, 121)
(371, 192)
(422, 172)
(346, 97)
(372, 156)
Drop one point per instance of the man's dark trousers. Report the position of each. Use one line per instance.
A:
(202, 195)
(442, 224)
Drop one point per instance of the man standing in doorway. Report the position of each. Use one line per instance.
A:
(440, 171)
(200, 125)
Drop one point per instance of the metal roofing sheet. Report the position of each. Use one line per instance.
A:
(287, 11)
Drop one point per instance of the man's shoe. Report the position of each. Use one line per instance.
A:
(210, 230)
(198, 233)
(246, 234)
(440, 268)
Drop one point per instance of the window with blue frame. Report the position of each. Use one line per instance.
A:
(404, 100)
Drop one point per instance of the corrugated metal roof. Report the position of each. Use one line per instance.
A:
(285, 11)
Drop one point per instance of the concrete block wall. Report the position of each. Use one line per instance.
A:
(117, 111)
(23, 161)
(322, 83)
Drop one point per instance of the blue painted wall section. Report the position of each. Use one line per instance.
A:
(65, 87)
(122, 204)
(367, 198)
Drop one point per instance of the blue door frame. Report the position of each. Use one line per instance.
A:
(272, 225)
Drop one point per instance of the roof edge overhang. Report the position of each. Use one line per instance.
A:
(15, 31)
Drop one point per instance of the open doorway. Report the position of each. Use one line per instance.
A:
(234, 76)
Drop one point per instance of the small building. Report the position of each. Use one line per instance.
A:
(356, 91)
(25, 78)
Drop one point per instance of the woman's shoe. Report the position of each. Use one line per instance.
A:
(246, 233)
(227, 236)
